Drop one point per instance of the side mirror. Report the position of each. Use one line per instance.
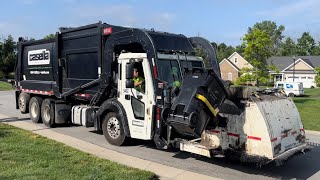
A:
(129, 83)
(129, 71)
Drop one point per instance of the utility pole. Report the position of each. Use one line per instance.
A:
(294, 67)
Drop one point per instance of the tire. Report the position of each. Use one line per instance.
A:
(35, 109)
(291, 95)
(112, 129)
(23, 102)
(47, 112)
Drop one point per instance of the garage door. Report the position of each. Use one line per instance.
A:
(307, 81)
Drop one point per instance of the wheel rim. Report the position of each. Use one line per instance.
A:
(113, 127)
(21, 102)
(46, 113)
(34, 110)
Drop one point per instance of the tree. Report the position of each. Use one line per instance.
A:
(7, 56)
(239, 49)
(257, 45)
(202, 54)
(246, 76)
(316, 50)
(274, 68)
(224, 51)
(49, 36)
(288, 47)
(305, 45)
(273, 31)
(1, 61)
(317, 79)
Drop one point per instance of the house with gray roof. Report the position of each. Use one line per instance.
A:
(298, 69)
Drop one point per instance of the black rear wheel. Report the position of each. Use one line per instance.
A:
(47, 112)
(23, 102)
(35, 109)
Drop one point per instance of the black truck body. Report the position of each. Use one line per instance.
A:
(78, 67)
(75, 56)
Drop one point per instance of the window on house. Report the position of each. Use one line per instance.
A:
(303, 77)
(230, 76)
(235, 60)
(310, 77)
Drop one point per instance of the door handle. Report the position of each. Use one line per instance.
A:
(127, 97)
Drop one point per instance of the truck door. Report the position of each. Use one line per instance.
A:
(138, 101)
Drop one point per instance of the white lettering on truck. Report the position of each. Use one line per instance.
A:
(39, 72)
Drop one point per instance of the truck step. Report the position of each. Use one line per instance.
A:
(197, 148)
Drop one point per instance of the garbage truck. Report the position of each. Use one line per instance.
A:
(123, 82)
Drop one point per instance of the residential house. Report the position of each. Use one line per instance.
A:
(230, 67)
(298, 69)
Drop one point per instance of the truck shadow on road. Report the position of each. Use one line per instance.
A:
(301, 166)
(13, 119)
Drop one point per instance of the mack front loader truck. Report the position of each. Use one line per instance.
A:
(131, 83)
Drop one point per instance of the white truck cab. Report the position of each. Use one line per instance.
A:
(291, 88)
(140, 106)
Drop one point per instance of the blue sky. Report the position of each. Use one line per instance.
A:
(219, 21)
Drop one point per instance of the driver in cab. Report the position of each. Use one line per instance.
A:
(138, 81)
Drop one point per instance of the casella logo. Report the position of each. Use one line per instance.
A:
(39, 57)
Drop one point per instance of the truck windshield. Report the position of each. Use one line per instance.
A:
(169, 70)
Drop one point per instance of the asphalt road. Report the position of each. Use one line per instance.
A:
(302, 166)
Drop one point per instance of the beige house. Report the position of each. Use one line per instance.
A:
(299, 69)
(230, 67)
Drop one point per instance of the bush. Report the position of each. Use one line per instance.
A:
(1, 75)
(317, 78)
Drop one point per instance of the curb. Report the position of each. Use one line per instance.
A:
(163, 171)
(317, 133)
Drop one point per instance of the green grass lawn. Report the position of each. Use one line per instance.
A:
(24, 155)
(309, 108)
(5, 86)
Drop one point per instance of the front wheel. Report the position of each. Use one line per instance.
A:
(291, 95)
(112, 128)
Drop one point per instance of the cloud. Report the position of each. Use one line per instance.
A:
(8, 28)
(27, 2)
(18, 29)
(124, 15)
(294, 8)
(69, 1)
(160, 21)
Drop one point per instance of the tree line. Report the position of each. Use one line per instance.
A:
(279, 45)
(7, 57)
(263, 40)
